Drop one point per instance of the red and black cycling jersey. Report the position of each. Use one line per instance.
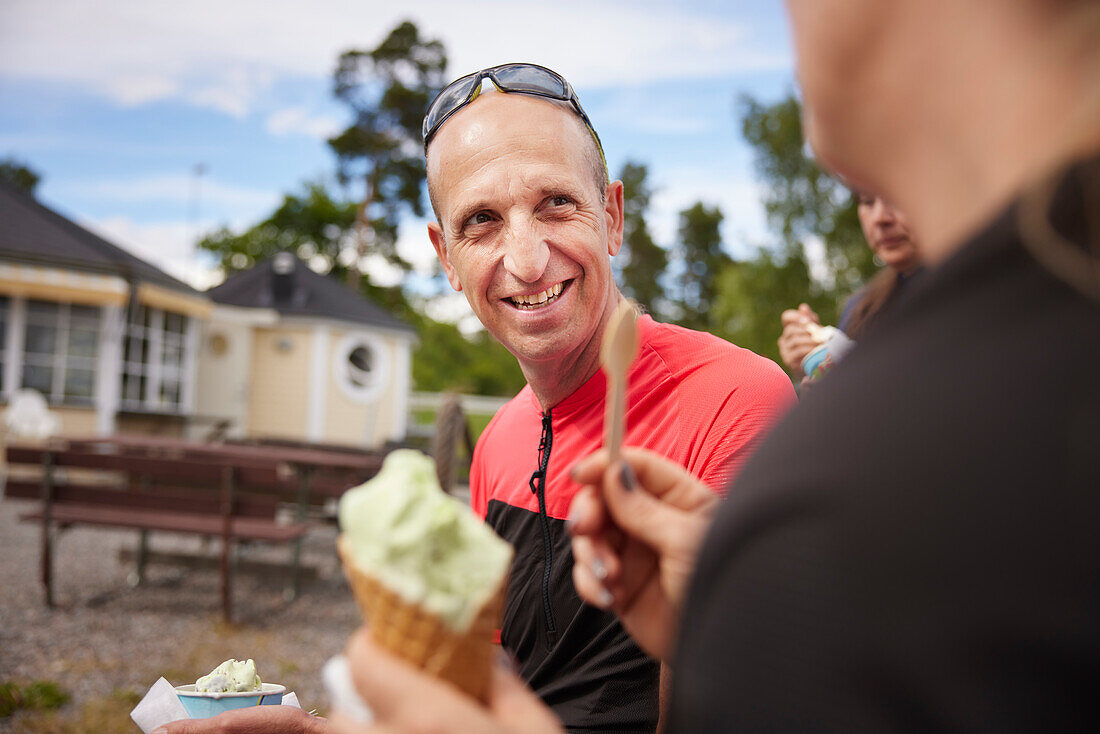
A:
(695, 398)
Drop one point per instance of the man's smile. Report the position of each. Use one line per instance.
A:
(532, 301)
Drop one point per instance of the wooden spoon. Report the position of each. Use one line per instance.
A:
(620, 343)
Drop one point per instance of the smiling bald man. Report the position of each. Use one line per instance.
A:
(527, 224)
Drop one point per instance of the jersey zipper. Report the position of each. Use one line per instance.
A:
(538, 488)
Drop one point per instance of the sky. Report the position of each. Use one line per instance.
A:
(154, 122)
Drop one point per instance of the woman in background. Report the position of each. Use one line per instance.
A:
(887, 233)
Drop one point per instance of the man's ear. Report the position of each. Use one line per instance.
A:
(613, 214)
(435, 234)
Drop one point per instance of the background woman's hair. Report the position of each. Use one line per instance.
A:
(872, 299)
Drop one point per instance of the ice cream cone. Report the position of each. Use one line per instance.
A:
(424, 639)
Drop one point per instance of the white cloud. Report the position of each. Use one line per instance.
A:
(134, 89)
(299, 121)
(178, 189)
(169, 245)
(739, 199)
(226, 55)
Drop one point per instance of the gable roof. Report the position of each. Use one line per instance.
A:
(298, 291)
(32, 233)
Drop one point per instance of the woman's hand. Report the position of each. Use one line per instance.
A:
(404, 699)
(636, 529)
(795, 342)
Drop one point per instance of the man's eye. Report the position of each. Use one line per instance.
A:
(560, 201)
(479, 218)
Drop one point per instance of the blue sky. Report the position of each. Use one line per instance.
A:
(115, 104)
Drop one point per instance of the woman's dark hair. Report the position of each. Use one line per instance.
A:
(872, 298)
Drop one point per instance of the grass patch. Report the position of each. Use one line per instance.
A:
(107, 715)
(37, 695)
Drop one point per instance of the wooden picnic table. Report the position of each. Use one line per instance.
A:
(169, 484)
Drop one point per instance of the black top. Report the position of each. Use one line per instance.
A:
(904, 281)
(917, 546)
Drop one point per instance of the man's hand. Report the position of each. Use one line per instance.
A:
(254, 720)
(404, 699)
(634, 547)
(795, 342)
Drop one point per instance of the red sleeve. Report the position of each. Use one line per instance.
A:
(763, 395)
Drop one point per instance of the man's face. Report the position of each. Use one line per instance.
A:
(887, 232)
(524, 231)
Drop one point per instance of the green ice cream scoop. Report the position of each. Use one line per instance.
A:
(232, 675)
(424, 546)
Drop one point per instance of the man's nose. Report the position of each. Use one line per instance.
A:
(525, 252)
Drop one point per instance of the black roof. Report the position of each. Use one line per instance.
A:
(301, 292)
(35, 234)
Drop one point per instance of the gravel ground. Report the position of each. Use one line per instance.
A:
(108, 640)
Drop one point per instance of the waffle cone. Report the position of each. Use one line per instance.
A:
(423, 639)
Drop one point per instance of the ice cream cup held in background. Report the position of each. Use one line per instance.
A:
(201, 704)
(834, 343)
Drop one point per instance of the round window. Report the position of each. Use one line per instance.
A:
(360, 367)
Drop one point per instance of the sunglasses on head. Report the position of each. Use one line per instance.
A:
(510, 78)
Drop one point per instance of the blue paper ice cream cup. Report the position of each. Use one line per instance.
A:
(202, 705)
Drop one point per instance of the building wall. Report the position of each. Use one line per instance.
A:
(77, 421)
(371, 417)
(224, 376)
(278, 394)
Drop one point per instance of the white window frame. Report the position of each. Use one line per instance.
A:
(155, 369)
(60, 359)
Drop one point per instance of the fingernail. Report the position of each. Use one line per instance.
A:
(571, 521)
(626, 476)
(599, 570)
(605, 600)
(573, 471)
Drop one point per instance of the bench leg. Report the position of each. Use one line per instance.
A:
(227, 572)
(294, 587)
(137, 578)
(47, 563)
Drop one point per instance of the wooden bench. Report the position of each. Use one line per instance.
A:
(232, 498)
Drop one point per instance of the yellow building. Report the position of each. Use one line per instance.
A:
(110, 340)
(117, 345)
(291, 354)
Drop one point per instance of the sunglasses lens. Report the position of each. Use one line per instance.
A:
(450, 98)
(528, 78)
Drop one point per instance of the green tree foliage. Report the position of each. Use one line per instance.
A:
(447, 361)
(314, 226)
(751, 296)
(310, 224)
(641, 261)
(387, 90)
(19, 176)
(801, 199)
(702, 258)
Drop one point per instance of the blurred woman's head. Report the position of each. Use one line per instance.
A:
(887, 233)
